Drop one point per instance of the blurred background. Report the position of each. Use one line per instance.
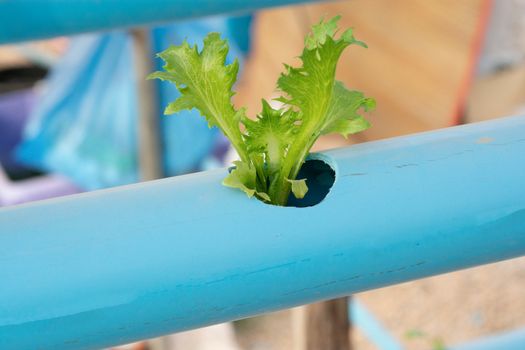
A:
(69, 122)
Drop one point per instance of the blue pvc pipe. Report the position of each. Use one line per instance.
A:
(371, 327)
(139, 261)
(36, 19)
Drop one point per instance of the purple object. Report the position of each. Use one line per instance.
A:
(36, 188)
(14, 111)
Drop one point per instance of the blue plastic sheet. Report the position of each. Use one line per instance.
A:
(85, 125)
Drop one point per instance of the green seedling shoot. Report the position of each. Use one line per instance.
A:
(273, 146)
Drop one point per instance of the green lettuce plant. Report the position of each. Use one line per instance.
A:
(273, 146)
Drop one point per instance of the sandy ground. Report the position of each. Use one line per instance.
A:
(450, 309)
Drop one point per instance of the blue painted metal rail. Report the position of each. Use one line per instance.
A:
(29, 19)
(112, 266)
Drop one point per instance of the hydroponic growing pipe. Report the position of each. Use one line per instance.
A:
(28, 19)
(112, 266)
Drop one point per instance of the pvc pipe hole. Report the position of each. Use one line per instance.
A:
(320, 177)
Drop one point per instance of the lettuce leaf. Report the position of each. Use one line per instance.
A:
(205, 83)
